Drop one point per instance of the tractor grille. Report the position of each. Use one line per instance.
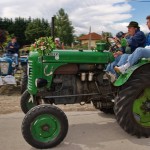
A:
(4, 68)
(31, 84)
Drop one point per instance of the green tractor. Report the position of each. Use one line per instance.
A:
(78, 76)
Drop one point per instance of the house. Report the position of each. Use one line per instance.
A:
(85, 39)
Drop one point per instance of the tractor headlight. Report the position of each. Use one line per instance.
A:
(40, 82)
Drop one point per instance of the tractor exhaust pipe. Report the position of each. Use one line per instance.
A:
(53, 28)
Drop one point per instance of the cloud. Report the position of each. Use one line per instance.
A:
(101, 15)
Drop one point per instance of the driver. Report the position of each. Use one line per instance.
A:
(122, 41)
(136, 39)
(13, 49)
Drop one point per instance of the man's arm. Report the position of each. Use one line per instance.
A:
(137, 39)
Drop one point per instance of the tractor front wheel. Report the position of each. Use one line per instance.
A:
(27, 102)
(44, 126)
(132, 105)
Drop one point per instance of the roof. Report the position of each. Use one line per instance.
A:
(94, 36)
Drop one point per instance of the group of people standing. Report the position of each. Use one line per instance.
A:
(133, 46)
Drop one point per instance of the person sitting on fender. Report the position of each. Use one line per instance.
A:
(137, 54)
(137, 39)
(13, 49)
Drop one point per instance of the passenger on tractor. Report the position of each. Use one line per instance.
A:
(13, 49)
(121, 40)
(57, 43)
(137, 39)
(137, 54)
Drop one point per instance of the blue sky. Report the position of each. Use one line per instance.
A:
(141, 10)
(102, 15)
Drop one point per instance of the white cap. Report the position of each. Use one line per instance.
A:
(57, 39)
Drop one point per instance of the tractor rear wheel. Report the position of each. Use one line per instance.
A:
(132, 105)
(45, 126)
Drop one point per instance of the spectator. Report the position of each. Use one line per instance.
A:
(57, 43)
(13, 49)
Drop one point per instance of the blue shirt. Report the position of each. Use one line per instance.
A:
(137, 40)
(148, 40)
(13, 50)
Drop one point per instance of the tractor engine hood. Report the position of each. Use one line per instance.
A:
(78, 56)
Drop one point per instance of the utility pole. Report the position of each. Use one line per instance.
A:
(89, 43)
(53, 28)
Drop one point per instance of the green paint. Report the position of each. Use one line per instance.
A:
(142, 117)
(75, 56)
(45, 128)
(124, 77)
(45, 66)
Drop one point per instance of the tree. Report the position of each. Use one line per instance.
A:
(63, 27)
(36, 29)
(18, 28)
(3, 38)
(15, 27)
(106, 34)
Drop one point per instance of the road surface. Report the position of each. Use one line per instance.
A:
(88, 130)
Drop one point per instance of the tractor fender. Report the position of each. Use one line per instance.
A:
(143, 66)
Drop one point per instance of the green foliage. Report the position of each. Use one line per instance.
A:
(8, 39)
(3, 36)
(43, 45)
(27, 30)
(106, 34)
(63, 27)
(15, 27)
(19, 26)
(36, 29)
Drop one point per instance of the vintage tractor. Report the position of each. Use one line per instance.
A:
(63, 77)
(78, 76)
(10, 74)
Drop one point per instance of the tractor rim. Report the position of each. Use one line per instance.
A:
(45, 128)
(141, 108)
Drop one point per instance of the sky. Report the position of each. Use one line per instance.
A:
(101, 15)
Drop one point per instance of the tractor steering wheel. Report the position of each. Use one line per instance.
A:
(112, 44)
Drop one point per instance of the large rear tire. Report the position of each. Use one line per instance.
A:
(132, 105)
(44, 126)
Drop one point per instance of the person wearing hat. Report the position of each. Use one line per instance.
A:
(58, 44)
(122, 42)
(136, 39)
(137, 54)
